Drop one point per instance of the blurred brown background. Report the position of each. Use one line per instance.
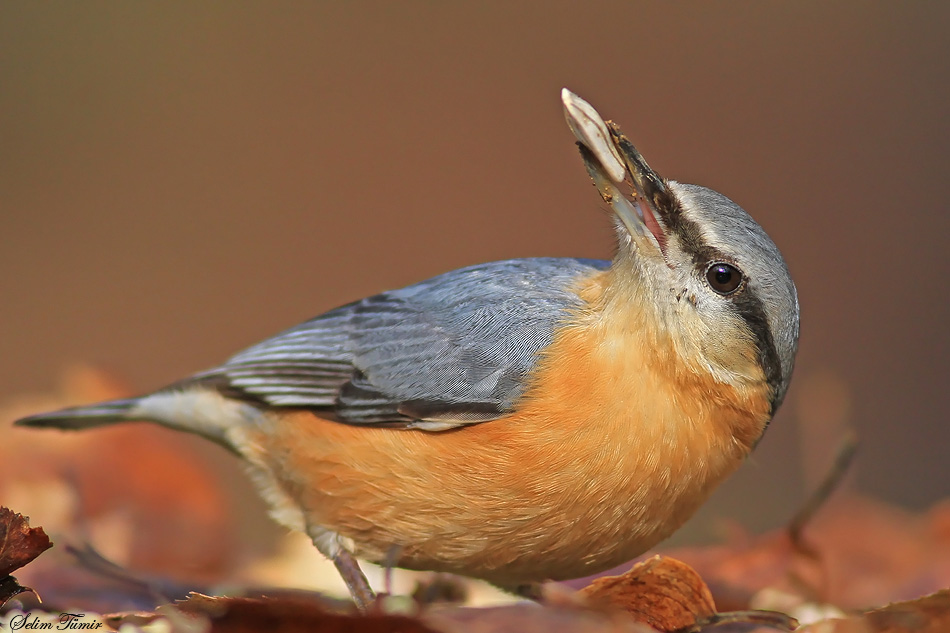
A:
(180, 180)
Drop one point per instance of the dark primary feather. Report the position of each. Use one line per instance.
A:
(84, 417)
(456, 347)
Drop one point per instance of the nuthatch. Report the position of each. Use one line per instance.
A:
(520, 420)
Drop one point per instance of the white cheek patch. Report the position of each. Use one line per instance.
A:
(708, 332)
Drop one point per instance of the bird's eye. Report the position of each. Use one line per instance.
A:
(723, 278)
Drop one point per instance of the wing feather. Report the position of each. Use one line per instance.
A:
(455, 348)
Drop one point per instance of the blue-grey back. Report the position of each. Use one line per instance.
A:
(454, 348)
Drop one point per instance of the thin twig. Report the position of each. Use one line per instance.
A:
(796, 527)
(772, 619)
(839, 468)
(92, 561)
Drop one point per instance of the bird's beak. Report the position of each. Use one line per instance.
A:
(612, 160)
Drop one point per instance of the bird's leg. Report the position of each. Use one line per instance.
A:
(355, 580)
(330, 545)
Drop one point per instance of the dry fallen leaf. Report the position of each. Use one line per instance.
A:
(19, 545)
(660, 591)
(287, 615)
(529, 618)
(930, 614)
(308, 613)
(670, 596)
(868, 552)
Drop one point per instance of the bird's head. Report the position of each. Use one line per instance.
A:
(715, 280)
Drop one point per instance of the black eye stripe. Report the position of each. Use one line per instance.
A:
(753, 312)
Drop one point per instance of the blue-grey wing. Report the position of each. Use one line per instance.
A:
(450, 350)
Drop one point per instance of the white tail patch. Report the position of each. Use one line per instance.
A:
(198, 410)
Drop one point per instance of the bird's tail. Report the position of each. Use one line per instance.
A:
(85, 417)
